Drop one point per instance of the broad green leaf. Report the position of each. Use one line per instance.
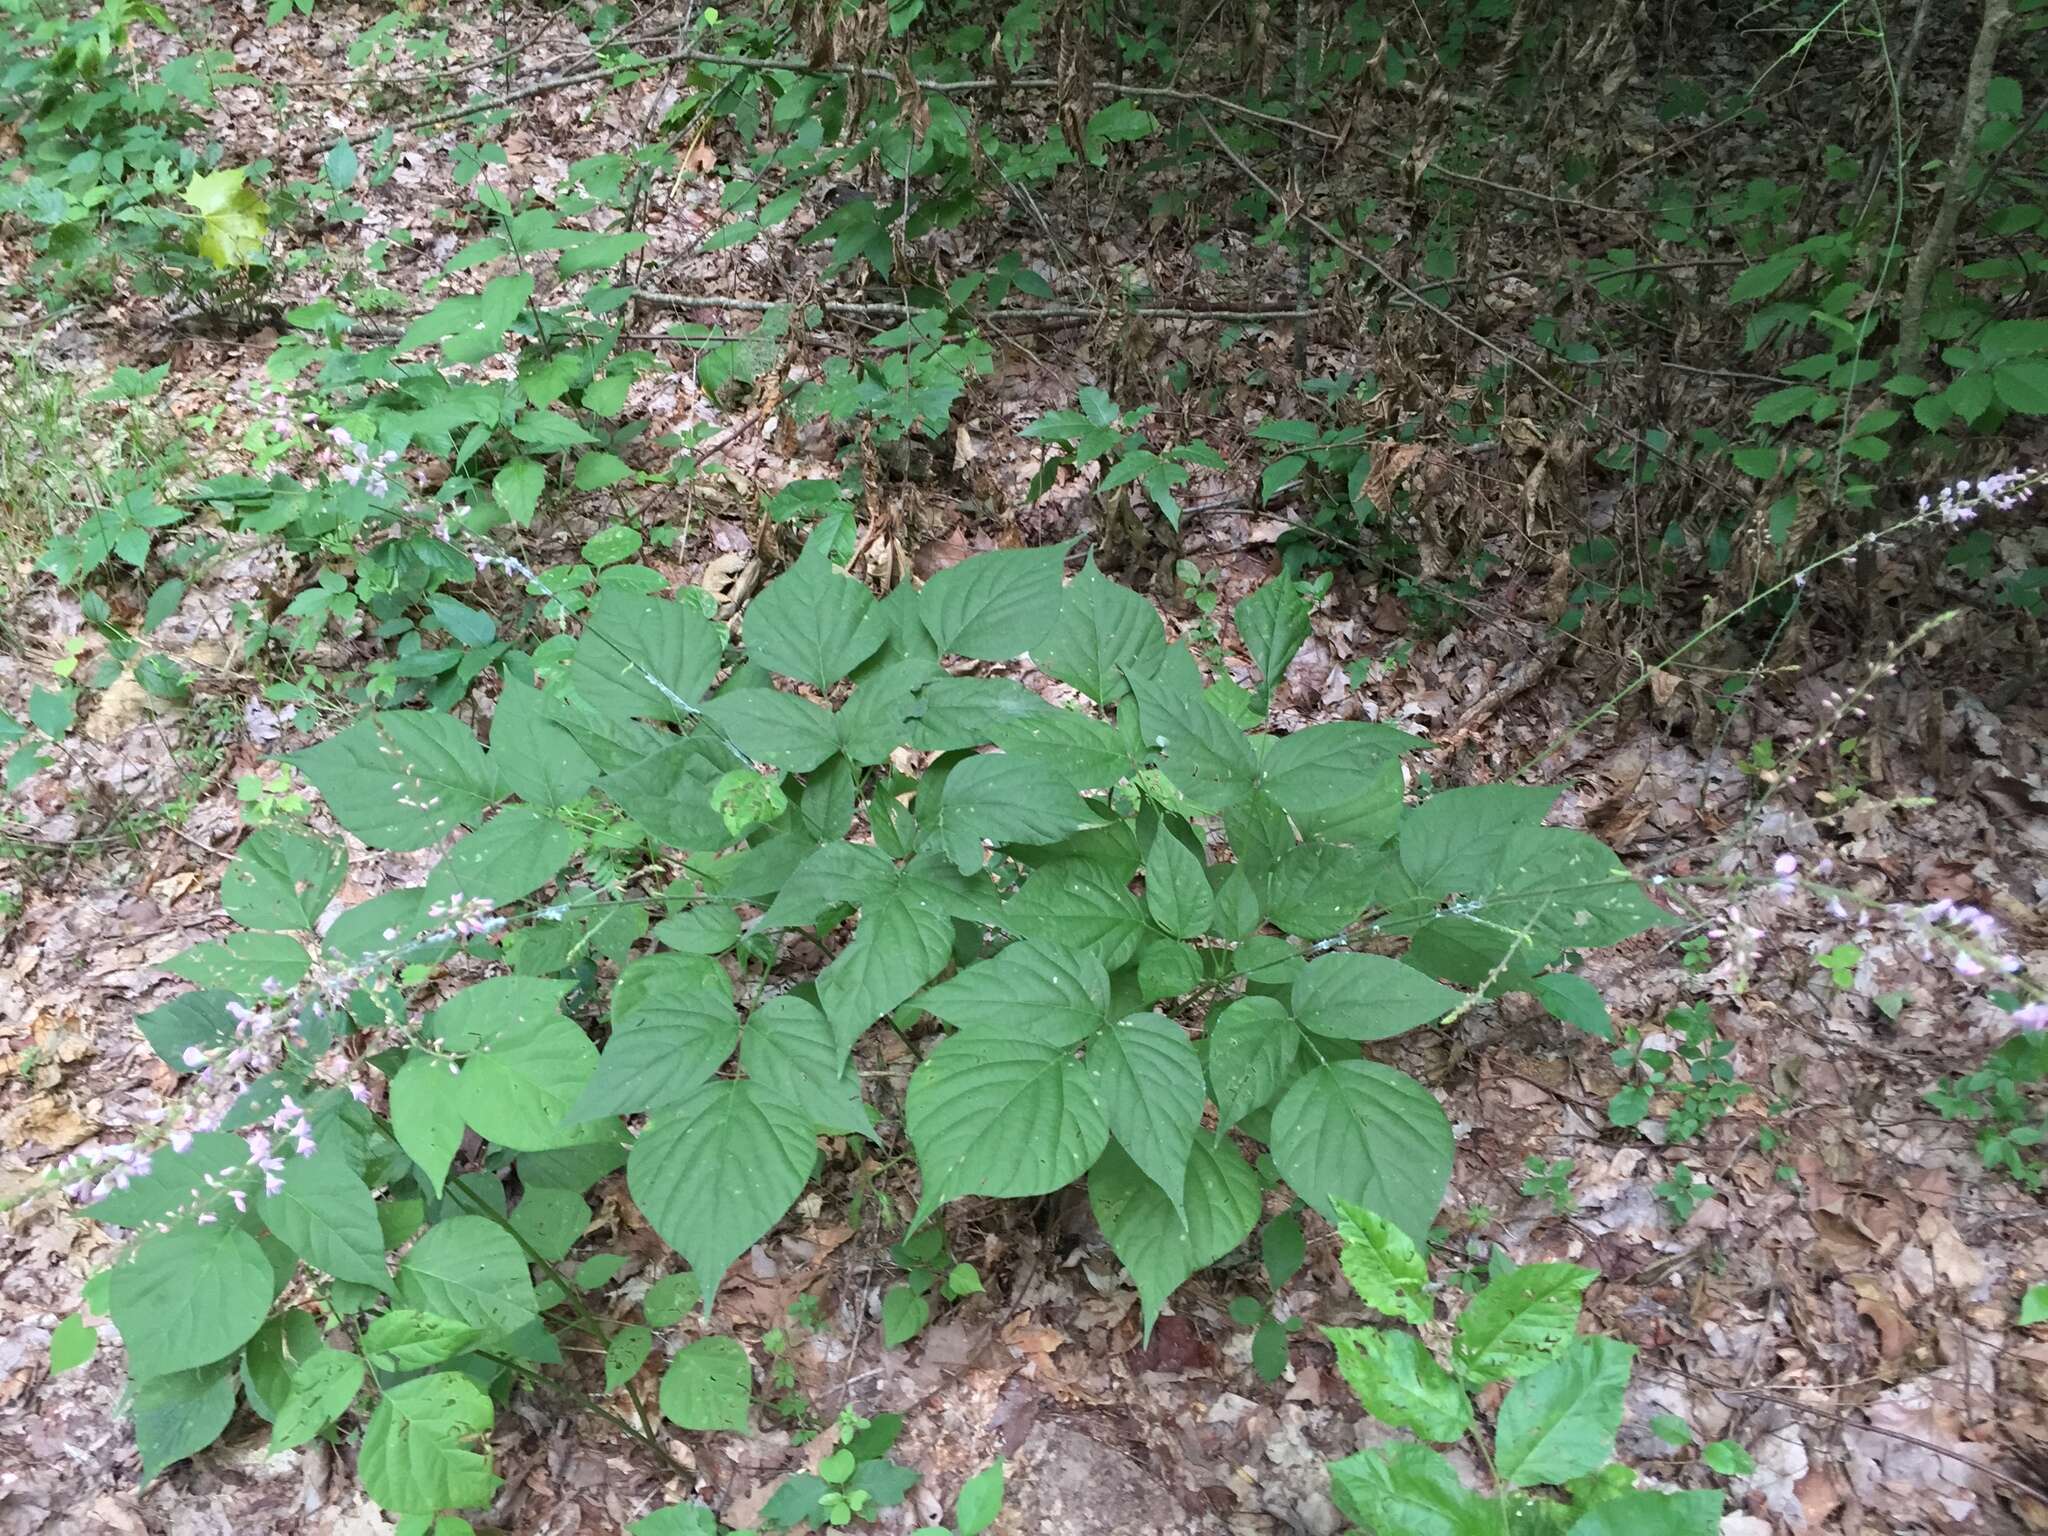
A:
(405, 1339)
(1647, 1512)
(2022, 386)
(681, 1520)
(325, 1215)
(1167, 969)
(1079, 907)
(425, 1450)
(189, 1297)
(151, 1198)
(776, 728)
(980, 1501)
(813, 623)
(1575, 1001)
(958, 713)
(904, 939)
(745, 799)
(1117, 123)
(233, 219)
(1567, 889)
(2034, 1306)
(904, 1314)
(1383, 1264)
(1340, 780)
(401, 780)
(1159, 1244)
(1411, 1490)
(645, 657)
(1177, 892)
(1102, 629)
(1367, 997)
(1559, 1423)
(791, 1049)
(994, 606)
(1399, 1383)
(1519, 1322)
(1148, 1081)
(1206, 757)
(995, 1113)
(340, 165)
(281, 879)
(517, 487)
(1272, 622)
(523, 1063)
(707, 1386)
(537, 757)
(1004, 800)
(606, 250)
(625, 1354)
(1358, 1130)
(1317, 890)
(1253, 1050)
(180, 1414)
(669, 792)
(1086, 753)
(672, 1298)
(1454, 840)
(426, 1114)
(1027, 989)
(73, 1343)
(246, 964)
(715, 1171)
(322, 1389)
(834, 877)
(882, 714)
(512, 855)
(473, 1270)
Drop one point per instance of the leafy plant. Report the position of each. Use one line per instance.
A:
(1554, 1430)
(1696, 1075)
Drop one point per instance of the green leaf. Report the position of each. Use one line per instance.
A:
(904, 1314)
(980, 1501)
(996, 1113)
(73, 1343)
(233, 219)
(831, 879)
(1272, 622)
(715, 1171)
(423, 1450)
(1119, 122)
(994, 606)
(1383, 1264)
(1253, 1048)
(1028, 989)
(791, 1049)
(1079, 907)
(776, 728)
(1646, 1512)
(1148, 1083)
(1519, 1322)
(405, 1339)
(1205, 756)
(625, 1354)
(1177, 892)
(280, 879)
(1102, 629)
(401, 780)
(181, 1414)
(1399, 1383)
(1573, 1000)
(322, 1388)
(1722, 1456)
(2034, 1306)
(2022, 386)
(523, 1063)
(246, 964)
(905, 938)
(512, 855)
(537, 757)
(340, 166)
(517, 487)
(1367, 997)
(1160, 1244)
(1567, 890)
(669, 793)
(1455, 840)
(1783, 405)
(473, 1270)
(326, 1215)
(707, 1386)
(597, 251)
(189, 1297)
(426, 1114)
(1559, 1423)
(1355, 1128)
(813, 623)
(644, 657)
(1340, 781)
(1005, 799)
(672, 1298)
(679, 1520)
(1765, 278)
(1409, 1489)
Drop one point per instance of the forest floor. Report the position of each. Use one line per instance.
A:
(1841, 1302)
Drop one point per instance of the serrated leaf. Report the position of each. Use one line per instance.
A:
(1385, 1268)
(1399, 1383)
(995, 1113)
(714, 1172)
(188, 1297)
(1161, 1245)
(233, 218)
(424, 1450)
(1358, 1129)
(707, 1386)
(1148, 1081)
(1367, 997)
(1559, 1423)
(400, 780)
(1519, 1322)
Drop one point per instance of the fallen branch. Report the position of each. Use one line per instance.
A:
(1007, 315)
